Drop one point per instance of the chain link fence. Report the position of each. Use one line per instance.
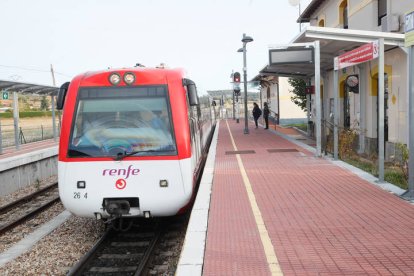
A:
(27, 134)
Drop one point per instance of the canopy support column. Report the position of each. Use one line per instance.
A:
(362, 108)
(54, 119)
(381, 111)
(318, 97)
(1, 140)
(16, 120)
(410, 72)
(336, 113)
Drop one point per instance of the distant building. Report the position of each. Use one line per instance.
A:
(276, 91)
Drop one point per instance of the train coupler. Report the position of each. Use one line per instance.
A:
(116, 207)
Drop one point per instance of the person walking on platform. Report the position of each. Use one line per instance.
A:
(256, 113)
(266, 112)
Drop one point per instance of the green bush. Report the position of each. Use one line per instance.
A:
(396, 177)
(27, 114)
(303, 127)
(392, 174)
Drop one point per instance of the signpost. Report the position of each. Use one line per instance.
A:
(5, 95)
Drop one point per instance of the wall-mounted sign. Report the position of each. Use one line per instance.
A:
(361, 54)
(290, 55)
(310, 89)
(409, 29)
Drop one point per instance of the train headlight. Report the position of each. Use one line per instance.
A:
(114, 78)
(81, 184)
(129, 78)
(163, 183)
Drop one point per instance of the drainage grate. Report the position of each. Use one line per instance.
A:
(301, 139)
(282, 150)
(240, 152)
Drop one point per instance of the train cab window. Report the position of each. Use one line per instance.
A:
(121, 121)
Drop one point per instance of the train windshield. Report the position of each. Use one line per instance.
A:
(122, 121)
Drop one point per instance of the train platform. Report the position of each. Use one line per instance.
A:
(10, 152)
(268, 206)
(31, 162)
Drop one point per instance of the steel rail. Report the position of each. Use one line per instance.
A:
(7, 207)
(20, 220)
(80, 268)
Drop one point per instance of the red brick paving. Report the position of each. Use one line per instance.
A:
(322, 219)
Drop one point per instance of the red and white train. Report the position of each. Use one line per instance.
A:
(133, 142)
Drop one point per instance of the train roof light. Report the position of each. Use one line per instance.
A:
(114, 78)
(129, 78)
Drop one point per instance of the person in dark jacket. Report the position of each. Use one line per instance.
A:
(256, 113)
(266, 112)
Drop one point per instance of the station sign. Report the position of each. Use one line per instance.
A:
(409, 29)
(361, 54)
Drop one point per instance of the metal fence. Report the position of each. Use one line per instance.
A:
(28, 134)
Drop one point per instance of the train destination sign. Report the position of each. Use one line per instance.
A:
(361, 54)
(291, 56)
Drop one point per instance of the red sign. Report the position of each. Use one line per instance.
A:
(361, 54)
(310, 90)
(120, 184)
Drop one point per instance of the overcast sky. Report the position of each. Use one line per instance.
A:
(201, 36)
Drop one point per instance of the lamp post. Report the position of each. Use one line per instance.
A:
(246, 39)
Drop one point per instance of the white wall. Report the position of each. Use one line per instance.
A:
(287, 108)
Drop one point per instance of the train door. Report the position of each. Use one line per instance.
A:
(195, 135)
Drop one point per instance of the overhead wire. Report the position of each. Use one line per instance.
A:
(33, 70)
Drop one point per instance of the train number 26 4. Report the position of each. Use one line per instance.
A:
(79, 195)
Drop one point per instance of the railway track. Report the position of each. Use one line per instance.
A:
(120, 253)
(17, 212)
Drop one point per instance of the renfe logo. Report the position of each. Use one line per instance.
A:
(120, 184)
(123, 172)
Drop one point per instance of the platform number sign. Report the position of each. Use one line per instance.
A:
(5, 95)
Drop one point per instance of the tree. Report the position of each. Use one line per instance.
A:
(44, 103)
(23, 102)
(299, 98)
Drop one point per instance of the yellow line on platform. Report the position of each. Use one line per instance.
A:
(272, 260)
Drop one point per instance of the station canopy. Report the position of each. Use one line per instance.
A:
(27, 88)
(333, 42)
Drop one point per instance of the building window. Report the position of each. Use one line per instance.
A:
(343, 14)
(321, 23)
(382, 10)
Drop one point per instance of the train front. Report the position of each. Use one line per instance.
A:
(119, 154)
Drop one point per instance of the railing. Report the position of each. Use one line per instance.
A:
(273, 119)
(327, 143)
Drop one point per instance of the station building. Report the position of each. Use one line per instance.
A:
(349, 21)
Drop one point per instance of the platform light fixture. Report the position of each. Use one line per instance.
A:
(246, 39)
